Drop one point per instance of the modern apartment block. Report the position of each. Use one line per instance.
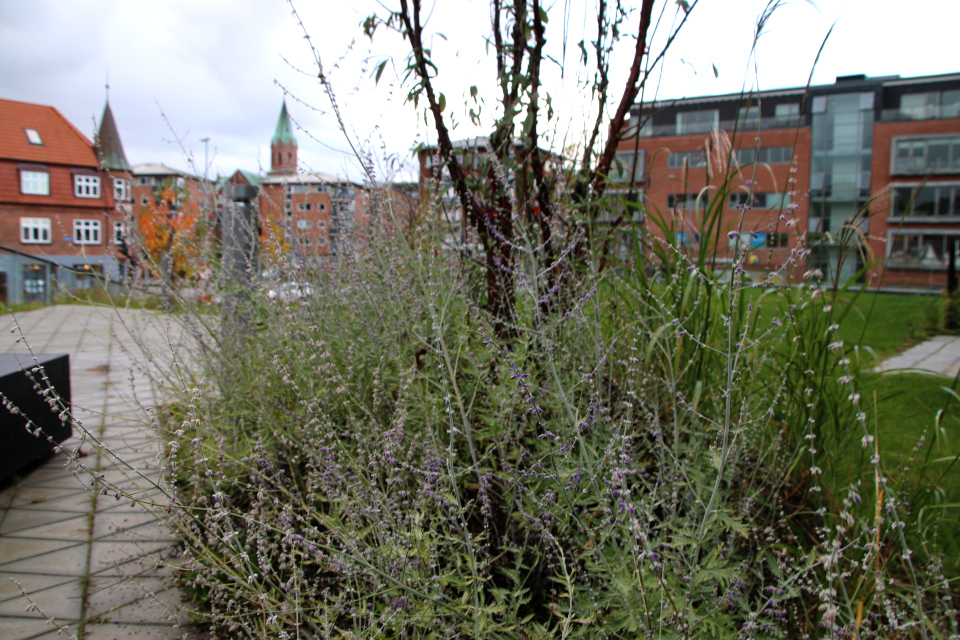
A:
(864, 172)
(57, 207)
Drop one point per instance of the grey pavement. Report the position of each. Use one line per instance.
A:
(98, 565)
(940, 355)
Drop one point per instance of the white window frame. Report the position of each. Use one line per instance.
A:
(304, 206)
(701, 121)
(35, 230)
(303, 224)
(86, 231)
(146, 181)
(119, 232)
(121, 189)
(35, 183)
(85, 186)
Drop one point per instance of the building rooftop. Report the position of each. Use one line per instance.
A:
(159, 169)
(108, 139)
(37, 133)
(304, 178)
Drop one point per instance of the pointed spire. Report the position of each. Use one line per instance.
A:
(110, 147)
(284, 132)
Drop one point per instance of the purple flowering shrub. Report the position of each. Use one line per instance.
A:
(647, 462)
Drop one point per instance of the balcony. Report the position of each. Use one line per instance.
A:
(930, 112)
(752, 124)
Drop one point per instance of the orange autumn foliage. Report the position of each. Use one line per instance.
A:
(170, 228)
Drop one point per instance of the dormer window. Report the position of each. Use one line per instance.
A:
(33, 136)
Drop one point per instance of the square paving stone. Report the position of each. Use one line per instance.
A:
(31, 583)
(51, 557)
(22, 628)
(126, 558)
(62, 602)
(131, 632)
(135, 600)
(40, 525)
(129, 526)
(53, 499)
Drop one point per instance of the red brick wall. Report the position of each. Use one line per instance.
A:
(881, 181)
(663, 181)
(61, 207)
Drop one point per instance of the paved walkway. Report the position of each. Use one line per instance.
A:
(939, 355)
(74, 551)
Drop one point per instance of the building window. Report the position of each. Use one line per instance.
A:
(787, 110)
(623, 162)
(321, 189)
(305, 242)
(144, 201)
(86, 232)
(121, 190)
(303, 224)
(765, 155)
(694, 159)
(927, 201)
(742, 199)
(931, 104)
(33, 136)
(297, 188)
(778, 241)
(321, 225)
(119, 233)
(321, 241)
(86, 186)
(746, 241)
(146, 181)
(928, 250)
(35, 183)
(697, 121)
(304, 206)
(687, 202)
(927, 155)
(321, 207)
(35, 230)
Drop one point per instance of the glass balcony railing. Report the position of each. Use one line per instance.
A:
(752, 124)
(930, 112)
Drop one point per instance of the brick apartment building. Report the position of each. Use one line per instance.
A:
(57, 207)
(866, 164)
(313, 213)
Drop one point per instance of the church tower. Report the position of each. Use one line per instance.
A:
(283, 146)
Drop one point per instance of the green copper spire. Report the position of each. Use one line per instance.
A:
(284, 132)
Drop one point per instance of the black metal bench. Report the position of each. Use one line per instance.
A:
(28, 433)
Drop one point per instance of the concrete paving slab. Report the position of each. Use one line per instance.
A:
(46, 536)
(23, 628)
(71, 528)
(51, 557)
(145, 600)
(31, 582)
(62, 601)
(130, 632)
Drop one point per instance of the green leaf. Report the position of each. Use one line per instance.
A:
(716, 74)
(583, 52)
(473, 92)
(376, 78)
(442, 102)
(683, 4)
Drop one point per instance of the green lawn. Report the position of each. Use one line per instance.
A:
(888, 323)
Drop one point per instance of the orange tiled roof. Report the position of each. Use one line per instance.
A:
(62, 142)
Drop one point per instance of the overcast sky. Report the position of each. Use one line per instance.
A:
(218, 68)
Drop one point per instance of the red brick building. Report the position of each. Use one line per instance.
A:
(863, 173)
(56, 203)
(308, 215)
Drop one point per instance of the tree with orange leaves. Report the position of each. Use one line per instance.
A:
(170, 227)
